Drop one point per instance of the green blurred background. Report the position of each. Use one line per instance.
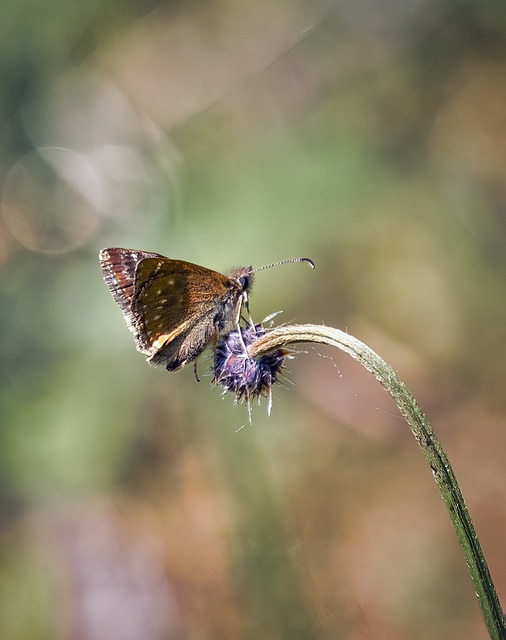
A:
(370, 136)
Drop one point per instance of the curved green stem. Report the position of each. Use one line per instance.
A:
(432, 449)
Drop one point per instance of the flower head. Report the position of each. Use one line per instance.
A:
(237, 372)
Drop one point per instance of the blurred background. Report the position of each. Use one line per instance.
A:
(370, 136)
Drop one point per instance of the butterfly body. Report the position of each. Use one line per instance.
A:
(175, 309)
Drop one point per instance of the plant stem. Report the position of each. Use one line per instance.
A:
(432, 449)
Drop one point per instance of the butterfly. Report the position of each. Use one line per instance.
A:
(175, 309)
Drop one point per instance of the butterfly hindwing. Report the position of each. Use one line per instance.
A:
(119, 269)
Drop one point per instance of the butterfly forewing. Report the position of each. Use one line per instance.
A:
(173, 297)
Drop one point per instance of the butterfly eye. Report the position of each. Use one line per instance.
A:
(244, 282)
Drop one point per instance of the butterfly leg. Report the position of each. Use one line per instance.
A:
(195, 372)
(249, 319)
(239, 333)
(245, 304)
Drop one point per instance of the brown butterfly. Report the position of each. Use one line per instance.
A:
(175, 309)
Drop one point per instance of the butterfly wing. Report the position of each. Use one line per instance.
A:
(174, 308)
(180, 305)
(118, 270)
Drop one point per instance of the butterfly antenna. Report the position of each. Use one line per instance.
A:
(276, 264)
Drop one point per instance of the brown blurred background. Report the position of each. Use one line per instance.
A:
(370, 136)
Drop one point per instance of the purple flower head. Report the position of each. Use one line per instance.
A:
(246, 377)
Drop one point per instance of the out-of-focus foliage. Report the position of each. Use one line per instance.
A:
(369, 136)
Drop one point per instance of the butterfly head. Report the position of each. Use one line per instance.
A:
(241, 280)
